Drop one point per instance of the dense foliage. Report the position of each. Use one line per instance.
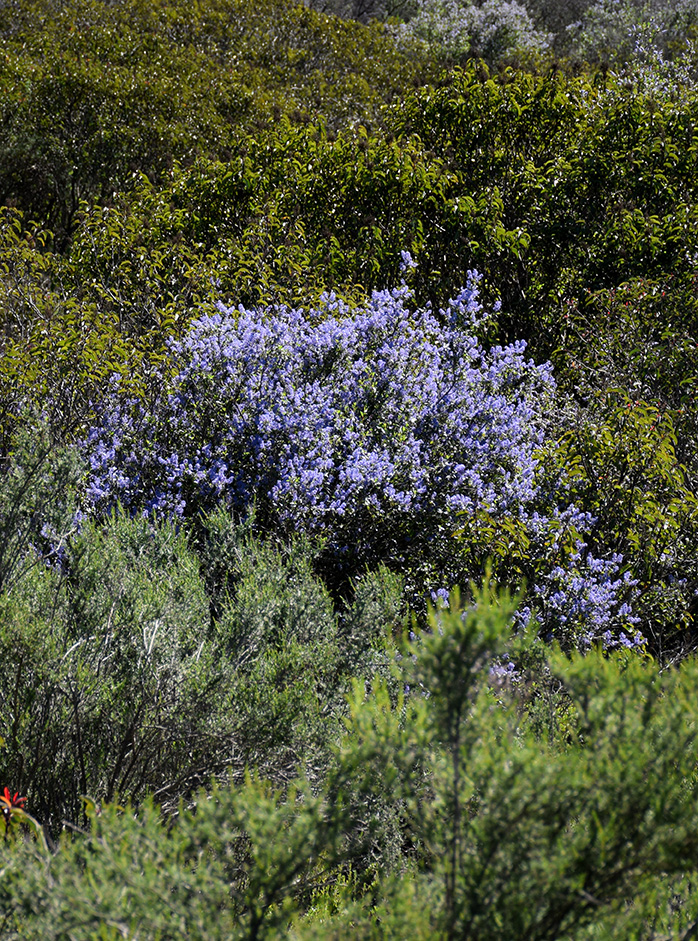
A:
(498, 833)
(93, 93)
(345, 592)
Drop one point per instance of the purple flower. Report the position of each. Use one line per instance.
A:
(378, 428)
(369, 425)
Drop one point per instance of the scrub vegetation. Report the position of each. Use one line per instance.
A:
(348, 470)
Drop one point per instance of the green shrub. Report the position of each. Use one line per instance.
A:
(60, 341)
(376, 617)
(512, 837)
(108, 672)
(598, 181)
(38, 506)
(503, 835)
(227, 867)
(92, 93)
(277, 638)
(621, 465)
(122, 686)
(550, 186)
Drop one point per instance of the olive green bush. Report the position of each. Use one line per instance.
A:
(60, 344)
(598, 181)
(549, 185)
(93, 93)
(619, 460)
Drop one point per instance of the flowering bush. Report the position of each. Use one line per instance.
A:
(585, 602)
(374, 427)
(380, 430)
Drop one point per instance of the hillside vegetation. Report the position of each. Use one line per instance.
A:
(349, 470)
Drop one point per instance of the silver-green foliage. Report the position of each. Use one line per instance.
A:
(461, 28)
(617, 30)
(117, 681)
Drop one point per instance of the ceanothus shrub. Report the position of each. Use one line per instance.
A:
(375, 428)
(351, 423)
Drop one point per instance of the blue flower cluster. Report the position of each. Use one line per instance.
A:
(590, 591)
(345, 422)
(586, 601)
(375, 428)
